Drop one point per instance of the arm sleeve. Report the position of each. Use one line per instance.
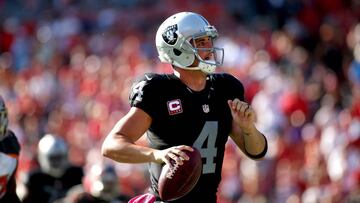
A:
(261, 154)
(143, 94)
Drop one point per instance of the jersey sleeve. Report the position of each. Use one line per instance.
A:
(234, 86)
(143, 93)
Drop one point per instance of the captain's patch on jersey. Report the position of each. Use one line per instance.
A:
(174, 107)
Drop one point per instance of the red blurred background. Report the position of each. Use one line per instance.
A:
(66, 67)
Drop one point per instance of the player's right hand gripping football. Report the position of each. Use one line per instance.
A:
(173, 153)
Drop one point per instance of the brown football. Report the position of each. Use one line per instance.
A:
(177, 181)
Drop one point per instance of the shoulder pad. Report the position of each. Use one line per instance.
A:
(229, 82)
(146, 82)
(11, 143)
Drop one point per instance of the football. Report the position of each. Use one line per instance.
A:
(177, 181)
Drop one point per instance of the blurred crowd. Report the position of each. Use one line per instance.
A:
(66, 67)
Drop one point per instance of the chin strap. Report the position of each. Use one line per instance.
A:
(204, 67)
(207, 68)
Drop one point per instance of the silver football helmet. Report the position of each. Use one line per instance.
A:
(173, 42)
(3, 119)
(52, 155)
(104, 182)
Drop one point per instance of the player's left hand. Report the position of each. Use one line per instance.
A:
(243, 114)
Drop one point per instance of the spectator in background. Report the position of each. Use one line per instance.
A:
(9, 152)
(55, 176)
(101, 185)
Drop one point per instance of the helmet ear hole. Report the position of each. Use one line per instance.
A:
(177, 52)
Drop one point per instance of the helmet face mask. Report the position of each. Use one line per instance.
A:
(174, 37)
(3, 119)
(213, 57)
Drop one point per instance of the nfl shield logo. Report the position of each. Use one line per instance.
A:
(206, 108)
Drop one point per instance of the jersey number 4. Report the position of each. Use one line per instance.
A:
(205, 143)
(138, 90)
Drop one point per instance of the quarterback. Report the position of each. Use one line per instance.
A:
(193, 107)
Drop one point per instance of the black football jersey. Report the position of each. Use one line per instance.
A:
(181, 116)
(9, 152)
(45, 188)
(88, 198)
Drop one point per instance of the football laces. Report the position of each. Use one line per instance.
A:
(172, 171)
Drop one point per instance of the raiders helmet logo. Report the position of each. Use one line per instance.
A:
(170, 35)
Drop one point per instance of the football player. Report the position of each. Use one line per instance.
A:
(9, 152)
(193, 107)
(101, 184)
(55, 176)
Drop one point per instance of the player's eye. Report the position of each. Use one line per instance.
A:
(201, 44)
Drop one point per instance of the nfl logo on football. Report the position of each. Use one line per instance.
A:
(206, 108)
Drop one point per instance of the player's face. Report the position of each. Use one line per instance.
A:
(204, 46)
